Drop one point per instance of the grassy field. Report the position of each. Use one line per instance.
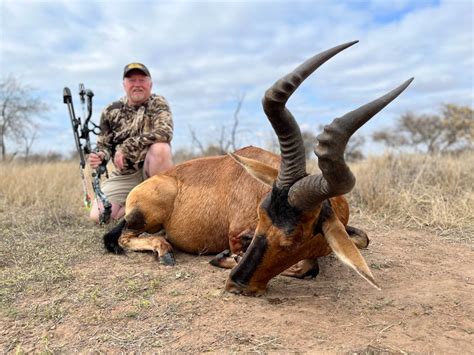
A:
(60, 292)
(422, 192)
(416, 191)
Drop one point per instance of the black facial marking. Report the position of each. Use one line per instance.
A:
(281, 213)
(243, 272)
(326, 212)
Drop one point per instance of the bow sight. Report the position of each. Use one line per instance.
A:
(81, 131)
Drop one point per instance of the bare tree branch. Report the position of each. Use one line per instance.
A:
(28, 140)
(225, 142)
(195, 141)
(223, 146)
(233, 134)
(452, 131)
(18, 106)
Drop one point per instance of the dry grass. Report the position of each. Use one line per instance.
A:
(61, 293)
(418, 191)
(53, 185)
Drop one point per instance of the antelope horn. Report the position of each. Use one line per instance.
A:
(293, 162)
(336, 178)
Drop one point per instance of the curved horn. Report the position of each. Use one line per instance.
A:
(336, 178)
(293, 162)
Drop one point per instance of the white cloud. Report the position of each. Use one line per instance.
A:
(204, 54)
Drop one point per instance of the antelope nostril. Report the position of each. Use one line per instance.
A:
(234, 287)
(238, 288)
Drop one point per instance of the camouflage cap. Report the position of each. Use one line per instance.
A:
(135, 66)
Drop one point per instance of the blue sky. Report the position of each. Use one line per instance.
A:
(203, 55)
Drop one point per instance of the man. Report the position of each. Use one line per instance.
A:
(136, 132)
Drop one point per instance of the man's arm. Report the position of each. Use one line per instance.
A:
(158, 127)
(104, 140)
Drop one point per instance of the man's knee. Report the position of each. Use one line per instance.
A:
(158, 159)
(118, 211)
(160, 151)
(94, 214)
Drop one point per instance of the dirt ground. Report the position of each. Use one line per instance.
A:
(62, 293)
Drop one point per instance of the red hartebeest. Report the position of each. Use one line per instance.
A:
(207, 205)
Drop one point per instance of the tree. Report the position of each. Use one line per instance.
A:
(458, 126)
(28, 140)
(18, 106)
(451, 131)
(353, 149)
(309, 139)
(225, 142)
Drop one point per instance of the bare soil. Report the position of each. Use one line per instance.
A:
(62, 293)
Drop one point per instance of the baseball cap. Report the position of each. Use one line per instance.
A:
(135, 66)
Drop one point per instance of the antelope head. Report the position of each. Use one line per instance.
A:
(296, 219)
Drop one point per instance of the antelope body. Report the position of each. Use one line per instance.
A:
(203, 204)
(208, 205)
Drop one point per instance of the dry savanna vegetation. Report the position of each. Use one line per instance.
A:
(60, 292)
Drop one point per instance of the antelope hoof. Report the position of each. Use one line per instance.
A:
(225, 260)
(304, 269)
(167, 259)
(358, 236)
(217, 260)
(311, 273)
(115, 249)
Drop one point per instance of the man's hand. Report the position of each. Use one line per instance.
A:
(119, 160)
(95, 159)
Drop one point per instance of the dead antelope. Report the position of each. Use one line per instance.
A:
(208, 205)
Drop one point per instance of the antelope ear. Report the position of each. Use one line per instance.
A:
(260, 171)
(345, 249)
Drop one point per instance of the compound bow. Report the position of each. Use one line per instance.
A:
(82, 132)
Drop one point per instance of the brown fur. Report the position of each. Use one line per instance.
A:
(206, 204)
(302, 217)
(287, 250)
(296, 251)
(202, 203)
(209, 204)
(284, 251)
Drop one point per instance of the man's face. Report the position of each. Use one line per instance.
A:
(137, 87)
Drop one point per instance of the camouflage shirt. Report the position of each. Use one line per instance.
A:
(132, 129)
